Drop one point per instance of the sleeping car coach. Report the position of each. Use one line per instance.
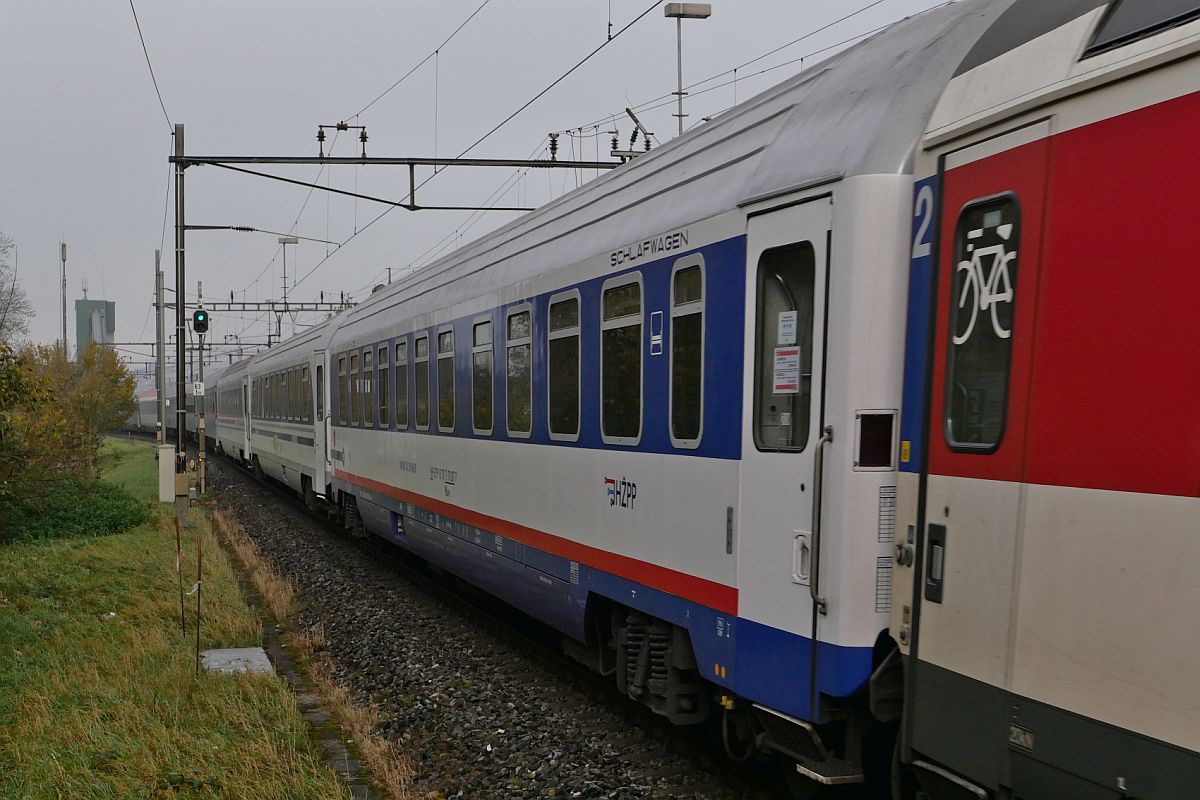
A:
(861, 414)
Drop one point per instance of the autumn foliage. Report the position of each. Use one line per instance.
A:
(53, 417)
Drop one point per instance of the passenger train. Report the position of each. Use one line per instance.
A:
(864, 412)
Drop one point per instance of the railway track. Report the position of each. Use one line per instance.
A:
(481, 695)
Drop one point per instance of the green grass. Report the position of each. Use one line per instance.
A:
(130, 464)
(113, 709)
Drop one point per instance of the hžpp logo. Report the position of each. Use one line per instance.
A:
(621, 492)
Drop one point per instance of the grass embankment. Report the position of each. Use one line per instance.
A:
(389, 767)
(112, 708)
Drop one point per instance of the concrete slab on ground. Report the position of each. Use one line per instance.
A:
(236, 659)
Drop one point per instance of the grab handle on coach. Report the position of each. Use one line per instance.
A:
(814, 585)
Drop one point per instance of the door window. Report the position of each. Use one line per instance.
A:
(982, 296)
(784, 352)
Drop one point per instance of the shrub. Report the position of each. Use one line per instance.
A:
(76, 507)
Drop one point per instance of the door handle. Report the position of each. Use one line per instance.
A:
(814, 585)
(935, 562)
(801, 558)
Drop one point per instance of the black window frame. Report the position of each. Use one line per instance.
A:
(383, 388)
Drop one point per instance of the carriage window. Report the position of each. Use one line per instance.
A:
(445, 376)
(305, 395)
(320, 392)
(402, 385)
(368, 379)
(481, 377)
(343, 392)
(519, 385)
(981, 322)
(563, 368)
(293, 387)
(421, 377)
(621, 364)
(687, 352)
(384, 387)
(355, 391)
(784, 353)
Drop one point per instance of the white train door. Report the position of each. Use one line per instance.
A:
(988, 269)
(787, 256)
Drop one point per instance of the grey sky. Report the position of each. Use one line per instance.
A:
(83, 142)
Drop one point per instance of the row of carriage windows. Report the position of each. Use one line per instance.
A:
(284, 395)
(365, 377)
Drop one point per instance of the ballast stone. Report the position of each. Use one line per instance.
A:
(229, 660)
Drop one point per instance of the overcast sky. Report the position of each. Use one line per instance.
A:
(84, 143)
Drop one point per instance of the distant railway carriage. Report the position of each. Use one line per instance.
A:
(686, 413)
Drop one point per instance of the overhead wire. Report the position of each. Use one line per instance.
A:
(150, 66)
(648, 105)
(422, 62)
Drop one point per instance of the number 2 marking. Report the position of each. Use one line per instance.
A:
(924, 212)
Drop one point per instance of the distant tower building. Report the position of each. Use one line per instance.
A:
(95, 321)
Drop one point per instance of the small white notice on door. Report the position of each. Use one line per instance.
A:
(787, 371)
(787, 328)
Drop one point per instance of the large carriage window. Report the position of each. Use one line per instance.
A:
(519, 385)
(368, 378)
(687, 351)
(783, 351)
(981, 322)
(481, 377)
(563, 368)
(355, 391)
(384, 387)
(402, 385)
(445, 375)
(621, 364)
(421, 377)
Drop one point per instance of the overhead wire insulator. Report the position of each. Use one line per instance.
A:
(321, 141)
(362, 137)
(554, 147)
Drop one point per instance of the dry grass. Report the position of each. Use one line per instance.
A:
(390, 769)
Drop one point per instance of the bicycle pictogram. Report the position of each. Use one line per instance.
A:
(987, 289)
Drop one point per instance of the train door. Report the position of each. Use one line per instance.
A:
(321, 463)
(246, 418)
(971, 491)
(784, 440)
